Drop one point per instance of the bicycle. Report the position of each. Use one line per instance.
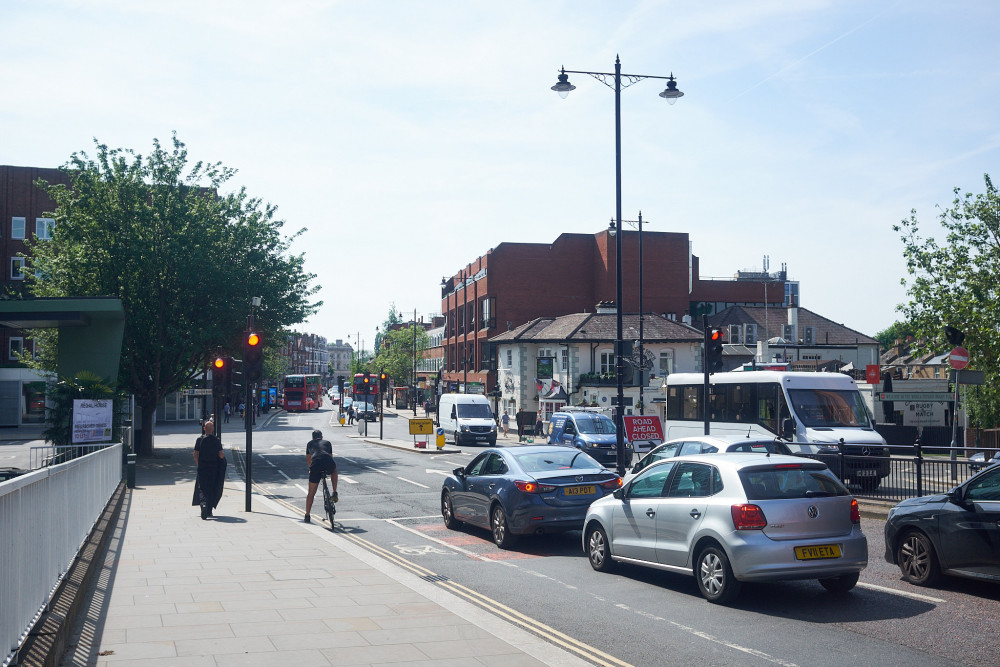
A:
(329, 504)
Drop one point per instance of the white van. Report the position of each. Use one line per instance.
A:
(467, 419)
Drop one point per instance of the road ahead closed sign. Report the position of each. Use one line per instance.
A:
(640, 428)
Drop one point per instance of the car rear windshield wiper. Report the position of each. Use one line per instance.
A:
(812, 493)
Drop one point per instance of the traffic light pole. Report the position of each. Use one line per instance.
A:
(708, 421)
(249, 432)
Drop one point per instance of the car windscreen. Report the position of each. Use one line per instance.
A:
(595, 424)
(570, 459)
(474, 411)
(790, 481)
(829, 407)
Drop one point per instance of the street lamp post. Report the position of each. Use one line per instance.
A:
(670, 94)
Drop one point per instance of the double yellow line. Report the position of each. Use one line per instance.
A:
(546, 632)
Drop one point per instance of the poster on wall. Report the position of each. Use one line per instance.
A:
(543, 368)
(91, 420)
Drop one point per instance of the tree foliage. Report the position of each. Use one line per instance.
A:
(956, 282)
(396, 355)
(185, 258)
(895, 331)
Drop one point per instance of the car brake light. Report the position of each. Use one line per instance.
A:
(788, 465)
(855, 512)
(748, 517)
(534, 487)
(612, 483)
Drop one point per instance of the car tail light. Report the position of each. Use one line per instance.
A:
(787, 465)
(855, 512)
(612, 483)
(534, 487)
(748, 517)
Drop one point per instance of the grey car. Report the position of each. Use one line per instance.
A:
(730, 518)
(708, 444)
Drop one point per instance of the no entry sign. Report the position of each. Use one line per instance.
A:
(643, 427)
(959, 358)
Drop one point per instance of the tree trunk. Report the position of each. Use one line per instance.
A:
(144, 446)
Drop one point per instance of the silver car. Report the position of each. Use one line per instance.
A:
(730, 518)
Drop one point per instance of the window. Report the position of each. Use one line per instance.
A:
(564, 354)
(666, 363)
(651, 485)
(607, 363)
(43, 228)
(510, 358)
(17, 228)
(487, 309)
(15, 347)
(695, 480)
(17, 268)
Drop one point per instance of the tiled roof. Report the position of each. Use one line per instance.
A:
(584, 327)
(827, 332)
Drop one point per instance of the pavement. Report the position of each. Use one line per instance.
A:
(265, 588)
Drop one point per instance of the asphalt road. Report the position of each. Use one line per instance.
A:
(390, 503)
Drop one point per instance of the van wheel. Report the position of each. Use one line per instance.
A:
(455, 437)
(869, 484)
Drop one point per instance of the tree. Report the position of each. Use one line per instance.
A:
(957, 283)
(895, 331)
(391, 320)
(184, 258)
(396, 355)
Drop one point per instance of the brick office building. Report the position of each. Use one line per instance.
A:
(517, 282)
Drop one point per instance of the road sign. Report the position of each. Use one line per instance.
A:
(421, 426)
(641, 428)
(872, 375)
(198, 392)
(918, 396)
(958, 358)
(967, 377)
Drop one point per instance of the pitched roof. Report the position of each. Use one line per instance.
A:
(826, 332)
(595, 327)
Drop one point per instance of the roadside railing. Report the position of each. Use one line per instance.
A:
(45, 516)
(49, 455)
(897, 472)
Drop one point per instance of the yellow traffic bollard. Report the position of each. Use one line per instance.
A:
(440, 438)
(341, 419)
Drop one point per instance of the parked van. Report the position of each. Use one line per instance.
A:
(593, 432)
(467, 419)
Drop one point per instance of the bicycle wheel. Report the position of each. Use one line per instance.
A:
(328, 505)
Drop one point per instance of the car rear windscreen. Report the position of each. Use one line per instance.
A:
(777, 482)
(570, 459)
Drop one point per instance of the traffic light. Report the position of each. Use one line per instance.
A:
(253, 357)
(366, 382)
(219, 372)
(713, 350)
(383, 382)
(340, 385)
(955, 336)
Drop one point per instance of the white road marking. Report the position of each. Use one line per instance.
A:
(302, 488)
(345, 478)
(438, 472)
(280, 472)
(423, 486)
(460, 550)
(277, 447)
(893, 591)
(376, 470)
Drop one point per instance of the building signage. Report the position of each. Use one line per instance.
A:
(872, 374)
(643, 428)
(91, 420)
(930, 413)
(543, 368)
(920, 396)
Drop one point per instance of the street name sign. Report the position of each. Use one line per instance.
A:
(918, 396)
(198, 392)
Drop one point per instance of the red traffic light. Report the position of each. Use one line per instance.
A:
(253, 340)
(219, 362)
(715, 335)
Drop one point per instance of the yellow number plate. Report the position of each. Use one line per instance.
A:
(821, 551)
(579, 490)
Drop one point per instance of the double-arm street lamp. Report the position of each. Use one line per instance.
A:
(670, 94)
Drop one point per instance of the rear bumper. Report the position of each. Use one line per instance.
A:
(755, 557)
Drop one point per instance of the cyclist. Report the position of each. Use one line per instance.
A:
(319, 459)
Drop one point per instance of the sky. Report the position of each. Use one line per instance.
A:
(415, 136)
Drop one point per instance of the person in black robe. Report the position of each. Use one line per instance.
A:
(211, 460)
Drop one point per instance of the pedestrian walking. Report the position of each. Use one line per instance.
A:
(427, 409)
(243, 409)
(350, 415)
(520, 423)
(211, 462)
(505, 422)
(226, 411)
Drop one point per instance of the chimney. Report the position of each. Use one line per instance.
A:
(793, 319)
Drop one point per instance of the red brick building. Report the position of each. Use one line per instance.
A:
(517, 282)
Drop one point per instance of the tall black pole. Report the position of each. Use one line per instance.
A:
(248, 407)
(620, 411)
(705, 401)
(414, 383)
(642, 356)
(465, 337)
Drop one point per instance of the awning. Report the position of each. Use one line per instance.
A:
(558, 394)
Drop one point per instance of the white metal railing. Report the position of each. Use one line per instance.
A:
(45, 516)
(44, 456)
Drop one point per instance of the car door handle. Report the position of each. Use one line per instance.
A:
(650, 513)
(695, 514)
(493, 484)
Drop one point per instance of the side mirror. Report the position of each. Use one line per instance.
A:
(619, 493)
(787, 428)
(459, 472)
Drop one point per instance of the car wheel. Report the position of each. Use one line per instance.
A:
(502, 536)
(715, 576)
(841, 584)
(599, 550)
(917, 560)
(448, 513)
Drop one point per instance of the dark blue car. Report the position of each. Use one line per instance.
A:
(956, 533)
(525, 490)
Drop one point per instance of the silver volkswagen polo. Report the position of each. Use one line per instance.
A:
(730, 518)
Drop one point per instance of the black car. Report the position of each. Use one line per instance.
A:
(365, 411)
(956, 533)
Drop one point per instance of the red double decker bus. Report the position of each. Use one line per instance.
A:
(303, 392)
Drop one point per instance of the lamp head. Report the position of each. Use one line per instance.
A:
(612, 228)
(564, 86)
(670, 93)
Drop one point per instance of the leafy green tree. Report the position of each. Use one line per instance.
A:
(956, 282)
(895, 331)
(396, 355)
(158, 233)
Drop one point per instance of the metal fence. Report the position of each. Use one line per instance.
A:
(49, 455)
(45, 516)
(897, 472)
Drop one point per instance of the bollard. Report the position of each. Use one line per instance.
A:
(130, 471)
